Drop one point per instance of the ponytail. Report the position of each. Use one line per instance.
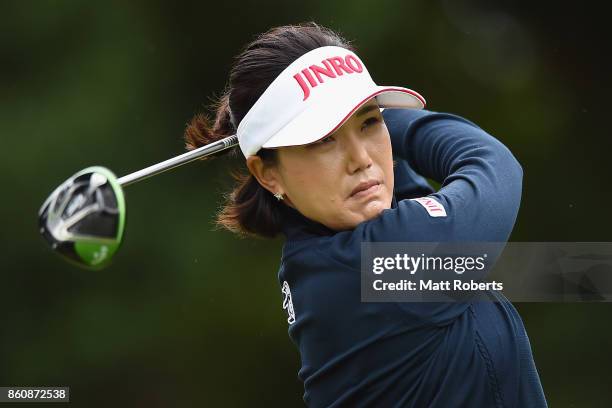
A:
(249, 209)
(199, 131)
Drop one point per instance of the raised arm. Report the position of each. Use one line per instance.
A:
(481, 181)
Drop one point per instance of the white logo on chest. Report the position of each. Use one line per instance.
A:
(287, 303)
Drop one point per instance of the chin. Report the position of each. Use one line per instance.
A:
(373, 209)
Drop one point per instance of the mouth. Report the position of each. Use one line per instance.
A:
(365, 188)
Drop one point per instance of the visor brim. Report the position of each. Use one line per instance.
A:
(321, 120)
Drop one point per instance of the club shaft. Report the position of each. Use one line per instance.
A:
(177, 161)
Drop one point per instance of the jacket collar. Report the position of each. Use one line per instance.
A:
(297, 227)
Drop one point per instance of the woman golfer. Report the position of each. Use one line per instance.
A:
(320, 154)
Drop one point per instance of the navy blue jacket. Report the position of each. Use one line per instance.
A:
(455, 354)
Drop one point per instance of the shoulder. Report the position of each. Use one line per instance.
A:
(320, 252)
(405, 117)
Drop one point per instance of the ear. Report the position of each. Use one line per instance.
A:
(267, 176)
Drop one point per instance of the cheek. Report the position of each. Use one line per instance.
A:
(313, 185)
(387, 167)
(383, 155)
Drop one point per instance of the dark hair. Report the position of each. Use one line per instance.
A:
(250, 209)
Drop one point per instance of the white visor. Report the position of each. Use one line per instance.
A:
(313, 97)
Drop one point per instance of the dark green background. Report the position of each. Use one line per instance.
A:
(189, 316)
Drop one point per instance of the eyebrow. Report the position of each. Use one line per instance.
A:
(366, 109)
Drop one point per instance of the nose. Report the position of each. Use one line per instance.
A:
(357, 154)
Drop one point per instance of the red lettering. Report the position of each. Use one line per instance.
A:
(353, 63)
(349, 65)
(309, 77)
(327, 71)
(433, 206)
(338, 64)
(303, 85)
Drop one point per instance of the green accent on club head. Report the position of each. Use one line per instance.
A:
(96, 255)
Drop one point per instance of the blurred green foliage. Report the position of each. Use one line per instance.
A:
(190, 316)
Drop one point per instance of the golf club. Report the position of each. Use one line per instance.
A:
(83, 219)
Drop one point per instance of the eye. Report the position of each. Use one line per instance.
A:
(370, 121)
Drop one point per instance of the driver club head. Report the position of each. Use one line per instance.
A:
(84, 218)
